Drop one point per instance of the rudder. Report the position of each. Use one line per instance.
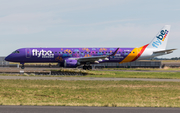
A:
(160, 40)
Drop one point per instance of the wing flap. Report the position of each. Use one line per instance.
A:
(94, 58)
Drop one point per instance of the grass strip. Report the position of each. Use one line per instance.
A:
(90, 93)
(125, 74)
(144, 69)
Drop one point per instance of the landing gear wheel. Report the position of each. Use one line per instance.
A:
(89, 67)
(84, 67)
(22, 67)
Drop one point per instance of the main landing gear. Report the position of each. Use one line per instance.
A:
(87, 66)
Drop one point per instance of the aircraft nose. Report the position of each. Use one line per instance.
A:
(7, 58)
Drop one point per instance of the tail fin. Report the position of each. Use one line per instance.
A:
(160, 40)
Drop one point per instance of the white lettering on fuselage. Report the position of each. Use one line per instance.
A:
(116, 57)
(43, 53)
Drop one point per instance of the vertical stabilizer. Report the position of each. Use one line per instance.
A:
(160, 40)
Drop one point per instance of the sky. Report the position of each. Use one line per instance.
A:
(87, 23)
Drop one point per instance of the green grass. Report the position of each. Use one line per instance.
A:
(124, 74)
(144, 69)
(127, 74)
(90, 93)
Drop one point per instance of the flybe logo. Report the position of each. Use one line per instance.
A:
(42, 53)
(161, 37)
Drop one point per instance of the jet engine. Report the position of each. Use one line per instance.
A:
(71, 63)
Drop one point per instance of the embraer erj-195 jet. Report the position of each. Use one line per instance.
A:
(74, 57)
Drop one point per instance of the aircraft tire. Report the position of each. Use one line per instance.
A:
(84, 67)
(22, 67)
(89, 67)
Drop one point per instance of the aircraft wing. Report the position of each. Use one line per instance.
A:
(165, 51)
(95, 59)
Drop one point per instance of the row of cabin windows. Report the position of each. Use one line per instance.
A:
(93, 52)
(80, 52)
(90, 52)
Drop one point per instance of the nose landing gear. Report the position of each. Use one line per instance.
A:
(22, 67)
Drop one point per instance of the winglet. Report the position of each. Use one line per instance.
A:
(114, 52)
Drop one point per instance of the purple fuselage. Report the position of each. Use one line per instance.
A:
(43, 55)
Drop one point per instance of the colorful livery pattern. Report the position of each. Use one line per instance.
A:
(74, 57)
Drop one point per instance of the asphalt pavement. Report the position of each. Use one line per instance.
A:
(64, 109)
(85, 78)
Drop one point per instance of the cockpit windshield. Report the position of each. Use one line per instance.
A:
(16, 51)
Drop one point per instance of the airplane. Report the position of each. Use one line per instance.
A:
(74, 57)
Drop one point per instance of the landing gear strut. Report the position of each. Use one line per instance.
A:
(22, 67)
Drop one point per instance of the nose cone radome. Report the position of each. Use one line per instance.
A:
(8, 58)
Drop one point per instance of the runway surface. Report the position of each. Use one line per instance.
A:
(63, 109)
(85, 78)
(36, 69)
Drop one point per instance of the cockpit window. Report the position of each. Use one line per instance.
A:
(16, 51)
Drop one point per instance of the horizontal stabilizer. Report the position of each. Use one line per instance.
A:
(165, 51)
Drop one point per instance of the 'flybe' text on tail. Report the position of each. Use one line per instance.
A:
(160, 40)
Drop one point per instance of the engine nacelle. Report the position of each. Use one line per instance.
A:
(71, 63)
